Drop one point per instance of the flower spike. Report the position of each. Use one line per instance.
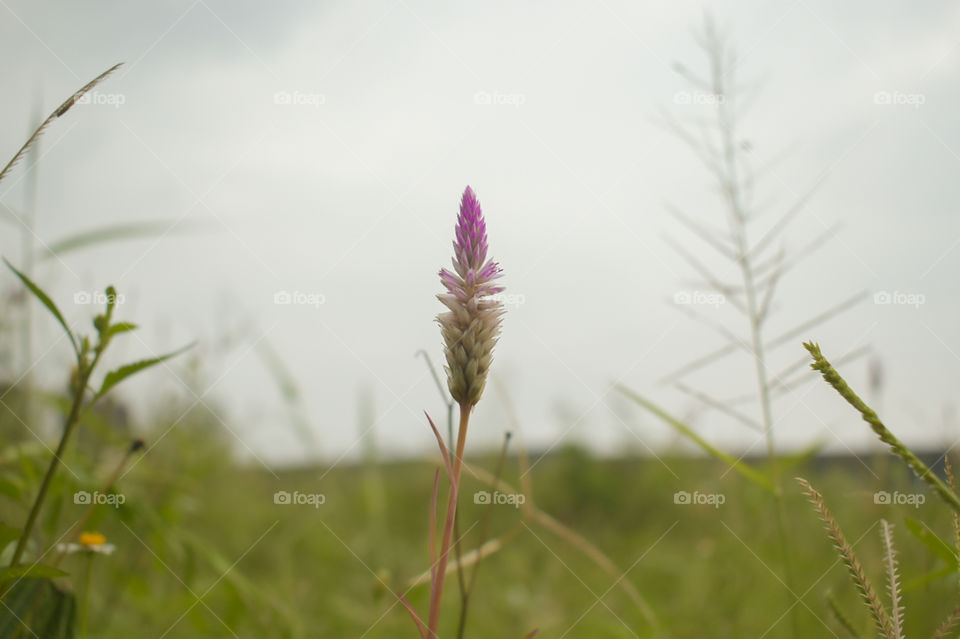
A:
(471, 326)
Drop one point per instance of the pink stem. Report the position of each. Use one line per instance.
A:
(433, 532)
(413, 613)
(443, 447)
(441, 573)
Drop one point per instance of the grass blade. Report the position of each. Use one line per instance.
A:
(46, 301)
(842, 617)
(736, 464)
(30, 570)
(934, 544)
(111, 233)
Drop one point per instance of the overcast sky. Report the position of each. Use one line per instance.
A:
(321, 149)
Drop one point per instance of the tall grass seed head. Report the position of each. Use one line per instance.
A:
(471, 325)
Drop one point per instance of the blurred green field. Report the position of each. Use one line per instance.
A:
(203, 550)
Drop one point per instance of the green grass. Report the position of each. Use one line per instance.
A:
(325, 571)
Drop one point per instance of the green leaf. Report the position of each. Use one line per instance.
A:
(925, 580)
(8, 535)
(38, 609)
(31, 570)
(45, 299)
(120, 327)
(736, 464)
(116, 376)
(934, 544)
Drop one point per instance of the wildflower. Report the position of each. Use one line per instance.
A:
(88, 542)
(471, 326)
(92, 539)
(470, 329)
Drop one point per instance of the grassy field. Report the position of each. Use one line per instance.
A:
(202, 549)
(114, 529)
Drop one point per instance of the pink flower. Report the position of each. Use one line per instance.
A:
(471, 326)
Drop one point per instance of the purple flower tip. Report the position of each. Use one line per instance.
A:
(471, 327)
(470, 247)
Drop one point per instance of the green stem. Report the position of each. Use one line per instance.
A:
(897, 447)
(47, 479)
(738, 225)
(77, 529)
(85, 601)
(72, 419)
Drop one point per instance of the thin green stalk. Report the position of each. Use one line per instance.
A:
(72, 419)
(74, 535)
(842, 617)
(738, 226)
(27, 248)
(85, 601)
(897, 447)
(77, 529)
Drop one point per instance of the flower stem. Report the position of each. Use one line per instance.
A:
(484, 526)
(74, 534)
(85, 603)
(451, 515)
